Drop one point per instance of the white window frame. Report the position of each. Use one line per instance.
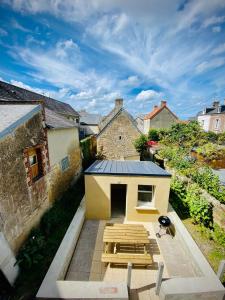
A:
(217, 124)
(146, 204)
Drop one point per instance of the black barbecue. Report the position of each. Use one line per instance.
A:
(164, 225)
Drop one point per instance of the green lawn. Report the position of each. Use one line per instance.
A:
(38, 251)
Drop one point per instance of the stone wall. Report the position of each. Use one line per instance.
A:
(21, 201)
(163, 120)
(116, 140)
(58, 180)
(218, 208)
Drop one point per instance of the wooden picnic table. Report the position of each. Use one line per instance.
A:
(118, 236)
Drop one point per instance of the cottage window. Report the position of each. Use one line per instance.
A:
(65, 163)
(217, 124)
(145, 195)
(35, 162)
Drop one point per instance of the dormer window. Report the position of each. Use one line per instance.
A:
(219, 109)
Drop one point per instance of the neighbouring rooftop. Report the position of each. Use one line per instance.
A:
(14, 115)
(126, 168)
(11, 93)
(54, 120)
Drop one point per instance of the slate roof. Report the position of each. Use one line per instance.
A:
(54, 120)
(212, 110)
(126, 168)
(9, 92)
(13, 116)
(89, 119)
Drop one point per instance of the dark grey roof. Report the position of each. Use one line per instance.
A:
(212, 110)
(89, 119)
(10, 93)
(54, 120)
(126, 168)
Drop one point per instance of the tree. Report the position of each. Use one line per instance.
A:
(153, 135)
(140, 143)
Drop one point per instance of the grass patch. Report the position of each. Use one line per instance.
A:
(212, 249)
(37, 253)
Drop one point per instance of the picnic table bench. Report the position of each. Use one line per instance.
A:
(123, 243)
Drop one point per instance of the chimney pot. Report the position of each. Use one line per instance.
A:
(163, 103)
(119, 103)
(155, 106)
(216, 103)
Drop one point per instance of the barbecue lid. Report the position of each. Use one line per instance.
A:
(164, 221)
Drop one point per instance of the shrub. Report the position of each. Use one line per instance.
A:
(153, 135)
(221, 138)
(33, 251)
(210, 182)
(211, 151)
(219, 235)
(200, 209)
(140, 143)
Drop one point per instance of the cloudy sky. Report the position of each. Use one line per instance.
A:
(88, 52)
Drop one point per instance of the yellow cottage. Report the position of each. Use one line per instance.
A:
(139, 190)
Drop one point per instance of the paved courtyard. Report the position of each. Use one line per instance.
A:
(86, 262)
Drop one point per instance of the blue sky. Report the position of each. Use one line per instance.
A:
(88, 52)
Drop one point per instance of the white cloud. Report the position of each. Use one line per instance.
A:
(148, 95)
(3, 32)
(63, 47)
(216, 29)
(212, 64)
(213, 21)
(220, 49)
(17, 25)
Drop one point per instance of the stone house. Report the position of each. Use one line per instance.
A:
(118, 130)
(40, 157)
(160, 117)
(213, 118)
(10, 92)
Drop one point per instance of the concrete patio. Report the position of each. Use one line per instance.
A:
(86, 262)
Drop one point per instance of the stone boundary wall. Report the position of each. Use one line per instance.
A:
(218, 207)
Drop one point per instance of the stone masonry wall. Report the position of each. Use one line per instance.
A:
(218, 208)
(116, 141)
(59, 181)
(163, 120)
(21, 201)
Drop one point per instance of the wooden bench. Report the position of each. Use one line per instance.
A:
(124, 258)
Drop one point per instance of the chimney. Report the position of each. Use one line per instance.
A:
(155, 107)
(216, 104)
(118, 103)
(163, 103)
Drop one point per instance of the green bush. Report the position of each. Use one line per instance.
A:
(219, 235)
(153, 135)
(140, 143)
(33, 251)
(211, 151)
(207, 180)
(201, 211)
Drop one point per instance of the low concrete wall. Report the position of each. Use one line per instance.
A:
(54, 286)
(7, 260)
(207, 287)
